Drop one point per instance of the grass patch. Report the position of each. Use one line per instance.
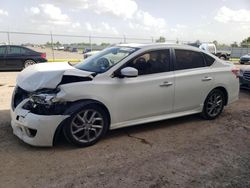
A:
(235, 59)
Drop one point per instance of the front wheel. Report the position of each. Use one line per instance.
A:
(86, 126)
(213, 105)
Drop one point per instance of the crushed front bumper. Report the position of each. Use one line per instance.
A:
(33, 129)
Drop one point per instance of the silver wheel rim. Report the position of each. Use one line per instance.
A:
(28, 63)
(214, 104)
(87, 125)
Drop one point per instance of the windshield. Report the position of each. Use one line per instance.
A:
(105, 59)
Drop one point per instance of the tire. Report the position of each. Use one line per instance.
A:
(86, 126)
(213, 105)
(242, 63)
(28, 63)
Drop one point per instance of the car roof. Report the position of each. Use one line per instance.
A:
(13, 45)
(160, 45)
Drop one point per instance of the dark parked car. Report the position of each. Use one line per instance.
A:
(18, 57)
(245, 77)
(73, 50)
(245, 59)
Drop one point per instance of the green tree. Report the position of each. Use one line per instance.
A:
(105, 44)
(235, 44)
(245, 42)
(57, 43)
(216, 43)
(161, 39)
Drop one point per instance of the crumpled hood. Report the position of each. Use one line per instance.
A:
(47, 75)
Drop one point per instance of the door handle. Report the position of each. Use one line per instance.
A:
(166, 84)
(207, 78)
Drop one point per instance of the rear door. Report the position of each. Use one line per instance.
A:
(193, 80)
(14, 57)
(2, 57)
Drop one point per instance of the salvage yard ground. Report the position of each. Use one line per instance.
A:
(183, 152)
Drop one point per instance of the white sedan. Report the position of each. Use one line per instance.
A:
(120, 86)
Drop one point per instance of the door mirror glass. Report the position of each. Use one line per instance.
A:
(129, 72)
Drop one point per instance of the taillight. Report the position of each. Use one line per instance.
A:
(236, 72)
(43, 55)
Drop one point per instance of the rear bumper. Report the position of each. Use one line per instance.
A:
(42, 60)
(36, 130)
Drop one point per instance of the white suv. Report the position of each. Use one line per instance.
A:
(120, 86)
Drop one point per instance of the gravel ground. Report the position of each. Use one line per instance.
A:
(59, 54)
(183, 152)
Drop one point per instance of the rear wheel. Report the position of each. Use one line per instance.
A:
(86, 126)
(223, 57)
(214, 104)
(28, 63)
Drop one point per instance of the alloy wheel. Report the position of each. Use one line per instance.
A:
(28, 63)
(87, 125)
(214, 104)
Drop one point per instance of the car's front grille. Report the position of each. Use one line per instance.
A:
(246, 75)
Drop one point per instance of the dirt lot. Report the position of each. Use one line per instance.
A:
(59, 54)
(183, 152)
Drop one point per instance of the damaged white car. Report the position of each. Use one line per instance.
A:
(120, 86)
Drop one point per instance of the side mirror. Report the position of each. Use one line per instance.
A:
(129, 72)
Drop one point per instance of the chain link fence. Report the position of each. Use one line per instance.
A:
(59, 47)
(65, 47)
(237, 52)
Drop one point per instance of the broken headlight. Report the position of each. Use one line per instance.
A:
(44, 97)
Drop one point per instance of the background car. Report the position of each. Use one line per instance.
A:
(18, 57)
(211, 48)
(86, 50)
(245, 59)
(245, 77)
(73, 49)
(88, 54)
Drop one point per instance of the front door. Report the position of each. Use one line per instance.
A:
(2, 57)
(150, 94)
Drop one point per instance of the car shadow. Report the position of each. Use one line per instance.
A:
(154, 126)
(7, 137)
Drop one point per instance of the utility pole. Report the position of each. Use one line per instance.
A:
(90, 42)
(52, 45)
(8, 35)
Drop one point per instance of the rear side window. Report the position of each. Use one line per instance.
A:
(26, 51)
(14, 50)
(2, 50)
(209, 60)
(187, 59)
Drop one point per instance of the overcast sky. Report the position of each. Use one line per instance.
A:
(207, 20)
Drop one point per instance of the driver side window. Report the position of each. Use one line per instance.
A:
(152, 62)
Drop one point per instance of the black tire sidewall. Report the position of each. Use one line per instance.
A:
(204, 112)
(67, 128)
